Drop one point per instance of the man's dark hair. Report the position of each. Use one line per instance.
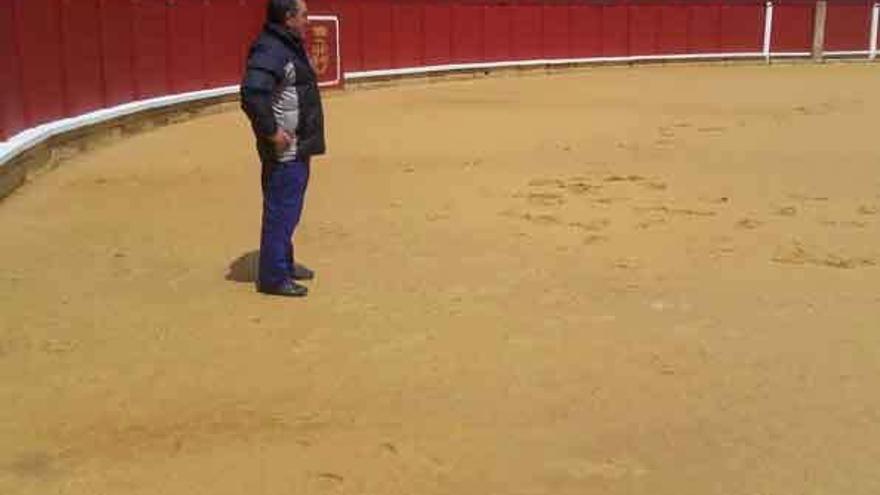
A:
(277, 11)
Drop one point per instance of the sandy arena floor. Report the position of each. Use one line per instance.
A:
(656, 280)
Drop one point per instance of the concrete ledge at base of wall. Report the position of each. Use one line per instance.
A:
(54, 151)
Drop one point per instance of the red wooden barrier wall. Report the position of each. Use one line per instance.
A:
(67, 57)
(848, 26)
(382, 34)
(37, 30)
(437, 40)
(674, 30)
(497, 26)
(467, 33)
(11, 108)
(350, 16)
(117, 49)
(742, 28)
(525, 39)
(792, 28)
(81, 56)
(186, 46)
(556, 31)
(150, 48)
(224, 42)
(376, 47)
(645, 24)
(615, 30)
(406, 28)
(586, 31)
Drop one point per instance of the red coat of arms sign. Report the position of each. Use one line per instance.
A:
(323, 45)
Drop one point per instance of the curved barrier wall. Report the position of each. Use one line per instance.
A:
(383, 37)
(67, 60)
(71, 57)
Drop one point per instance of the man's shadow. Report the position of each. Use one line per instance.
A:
(244, 268)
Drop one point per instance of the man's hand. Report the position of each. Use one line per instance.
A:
(282, 140)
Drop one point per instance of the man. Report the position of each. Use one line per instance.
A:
(279, 94)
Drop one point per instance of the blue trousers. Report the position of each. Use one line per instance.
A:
(284, 190)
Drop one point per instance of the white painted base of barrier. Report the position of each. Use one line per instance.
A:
(36, 135)
(790, 55)
(404, 71)
(846, 53)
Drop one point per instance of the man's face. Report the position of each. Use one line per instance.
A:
(298, 22)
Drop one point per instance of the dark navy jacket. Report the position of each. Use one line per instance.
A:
(280, 89)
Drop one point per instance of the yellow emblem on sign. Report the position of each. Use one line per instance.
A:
(320, 49)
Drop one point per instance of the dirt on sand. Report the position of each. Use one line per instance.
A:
(652, 280)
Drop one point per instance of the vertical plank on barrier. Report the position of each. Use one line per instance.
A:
(117, 51)
(438, 33)
(406, 26)
(186, 45)
(556, 31)
(11, 108)
(526, 32)
(319, 7)
(254, 11)
(673, 36)
(848, 26)
(615, 30)
(742, 28)
(467, 33)
(251, 15)
(350, 37)
(39, 43)
(376, 16)
(586, 31)
(222, 43)
(792, 28)
(81, 53)
(497, 32)
(150, 66)
(704, 28)
(644, 29)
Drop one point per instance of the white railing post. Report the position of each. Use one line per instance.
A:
(875, 18)
(819, 17)
(768, 29)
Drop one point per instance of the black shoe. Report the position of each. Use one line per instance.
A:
(288, 288)
(302, 272)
